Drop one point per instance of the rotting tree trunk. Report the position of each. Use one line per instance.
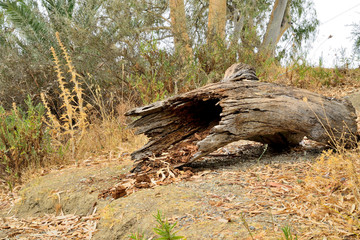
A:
(196, 123)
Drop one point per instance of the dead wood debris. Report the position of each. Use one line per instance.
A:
(50, 227)
(154, 171)
(159, 170)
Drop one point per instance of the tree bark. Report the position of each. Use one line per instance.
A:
(178, 22)
(238, 20)
(278, 23)
(196, 123)
(216, 20)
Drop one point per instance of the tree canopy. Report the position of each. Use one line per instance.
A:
(136, 43)
(356, 36)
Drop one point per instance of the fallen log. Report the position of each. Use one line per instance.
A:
(191, 125)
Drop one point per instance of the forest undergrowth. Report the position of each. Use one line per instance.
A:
(42, 136)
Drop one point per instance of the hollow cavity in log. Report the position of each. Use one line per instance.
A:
(191, 125)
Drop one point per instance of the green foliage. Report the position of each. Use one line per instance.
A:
(247, 22)
(24, 141)
(126, 46)
(287, 233)
(304, 21)
(164, 229)
(25, 19)
(64, 8)
(137, 236)
(356, 36)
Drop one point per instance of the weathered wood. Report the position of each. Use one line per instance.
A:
(220, 113)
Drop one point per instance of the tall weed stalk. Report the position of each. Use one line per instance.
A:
(72, 124)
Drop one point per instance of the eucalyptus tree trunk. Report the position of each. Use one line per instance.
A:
(278, 23)
(238, 26)
(216, 20)
(178, 22)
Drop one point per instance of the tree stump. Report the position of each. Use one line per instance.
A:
(191, 125)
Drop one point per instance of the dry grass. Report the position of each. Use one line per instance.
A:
(331, 194)
(318, 199)
(327, 201)
(330, 82)
(109, 135)
(87, 130)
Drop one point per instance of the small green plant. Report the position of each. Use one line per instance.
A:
(246, 225)
(137, 236)
(165, 229)
(24, 140)
(287, 233)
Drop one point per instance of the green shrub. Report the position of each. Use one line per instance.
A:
(164, 229)
(24, 141)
